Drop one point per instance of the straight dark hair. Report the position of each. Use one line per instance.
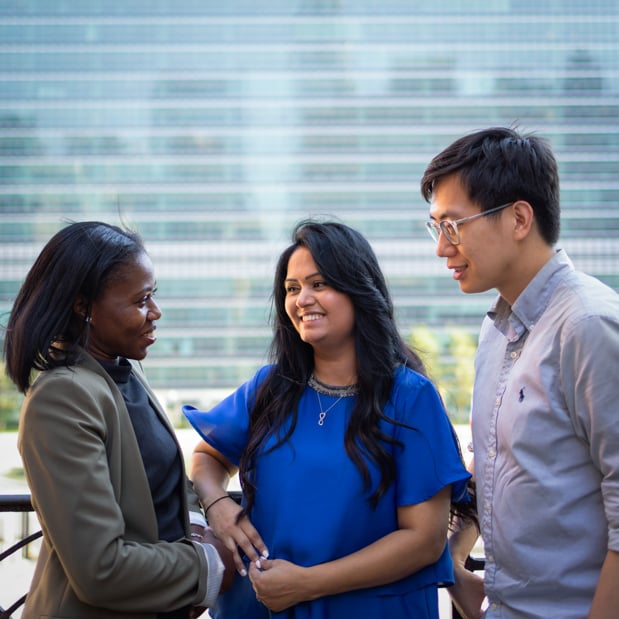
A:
(78, 262)
(500, 165)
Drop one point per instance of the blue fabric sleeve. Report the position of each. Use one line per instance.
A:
(225, 426)
(430, 459)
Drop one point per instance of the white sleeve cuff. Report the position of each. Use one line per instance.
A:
(197, 518)
(214, 576)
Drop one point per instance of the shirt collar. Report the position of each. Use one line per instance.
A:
(533, 300)
(119, 371)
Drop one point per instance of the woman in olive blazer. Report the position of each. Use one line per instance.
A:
(87, 302)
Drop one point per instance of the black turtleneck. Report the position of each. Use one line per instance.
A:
(159, 451)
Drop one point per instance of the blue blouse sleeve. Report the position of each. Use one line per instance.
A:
(225, 426)
(430, 458)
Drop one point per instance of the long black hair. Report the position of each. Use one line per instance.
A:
(44, 330)
(347, 263)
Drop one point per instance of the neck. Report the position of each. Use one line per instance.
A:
(336, 374)
(530, 262)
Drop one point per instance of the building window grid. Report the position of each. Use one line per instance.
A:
(161, 127)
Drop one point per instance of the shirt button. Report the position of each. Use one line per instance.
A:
(497, 401)
(487, 506)
(514, 355)
(491, 454)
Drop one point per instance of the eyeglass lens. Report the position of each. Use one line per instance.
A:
(450, 231)
(446, 227)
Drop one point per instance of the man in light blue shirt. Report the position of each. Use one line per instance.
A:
(545, 412)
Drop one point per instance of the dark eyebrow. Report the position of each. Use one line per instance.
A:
(442, 217)
(146, 290)
(294, 279)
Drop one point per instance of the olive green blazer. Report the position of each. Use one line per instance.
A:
(100, 557)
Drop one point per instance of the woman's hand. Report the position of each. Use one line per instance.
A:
(222, 518)
(210, 473)
(278, 584)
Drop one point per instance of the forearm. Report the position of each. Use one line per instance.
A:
(210, 476)
(387, 560)
(606, 599)
(467, 592)
(462, 541)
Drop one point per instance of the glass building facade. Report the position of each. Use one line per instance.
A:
(212, 127)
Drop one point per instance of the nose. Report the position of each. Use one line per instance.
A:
(443, 247)
(305, 297)
(154, 313)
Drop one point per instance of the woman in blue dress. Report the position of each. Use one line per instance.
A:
(348, 462)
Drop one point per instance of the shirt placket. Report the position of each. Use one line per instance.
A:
(512, 353)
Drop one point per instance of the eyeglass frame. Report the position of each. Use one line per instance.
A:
(435, 228)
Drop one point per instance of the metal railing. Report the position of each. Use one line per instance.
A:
(21, 503)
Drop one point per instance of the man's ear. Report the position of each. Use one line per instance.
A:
(523, 219)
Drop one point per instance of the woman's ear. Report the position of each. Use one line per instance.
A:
(80, 307)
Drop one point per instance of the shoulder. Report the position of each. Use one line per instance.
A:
(85, 375)
(582, 303)
(411, 389)
(406, 379)
(82, 391)
(264, 372)
(589, 294)
(257, 379)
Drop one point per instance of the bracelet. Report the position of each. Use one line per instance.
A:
(221, 498)
(197, 535)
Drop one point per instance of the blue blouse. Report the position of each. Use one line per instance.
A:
(311, 505)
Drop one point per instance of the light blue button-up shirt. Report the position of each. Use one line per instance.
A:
(545, 423)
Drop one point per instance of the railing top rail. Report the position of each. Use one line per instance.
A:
(15, 503)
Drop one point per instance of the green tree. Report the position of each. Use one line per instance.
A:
(10, 402)
(462, 347)
(448, 356)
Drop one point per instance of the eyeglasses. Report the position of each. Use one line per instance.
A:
(450, 228)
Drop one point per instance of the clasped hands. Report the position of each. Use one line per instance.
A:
(277, 583)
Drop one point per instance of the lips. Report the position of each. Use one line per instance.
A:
(457, 271)
(150, 335)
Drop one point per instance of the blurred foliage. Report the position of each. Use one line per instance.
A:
(449, 356)
(10, 402)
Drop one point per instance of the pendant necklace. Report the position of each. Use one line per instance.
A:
(323, 413)
(331, 391)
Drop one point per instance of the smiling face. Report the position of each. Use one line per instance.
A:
(487, 256)
(323, 316)
(123, 317)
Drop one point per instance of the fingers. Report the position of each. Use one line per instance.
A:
(250, 542)
(275, 584)
(256, 567)
(237, 537)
